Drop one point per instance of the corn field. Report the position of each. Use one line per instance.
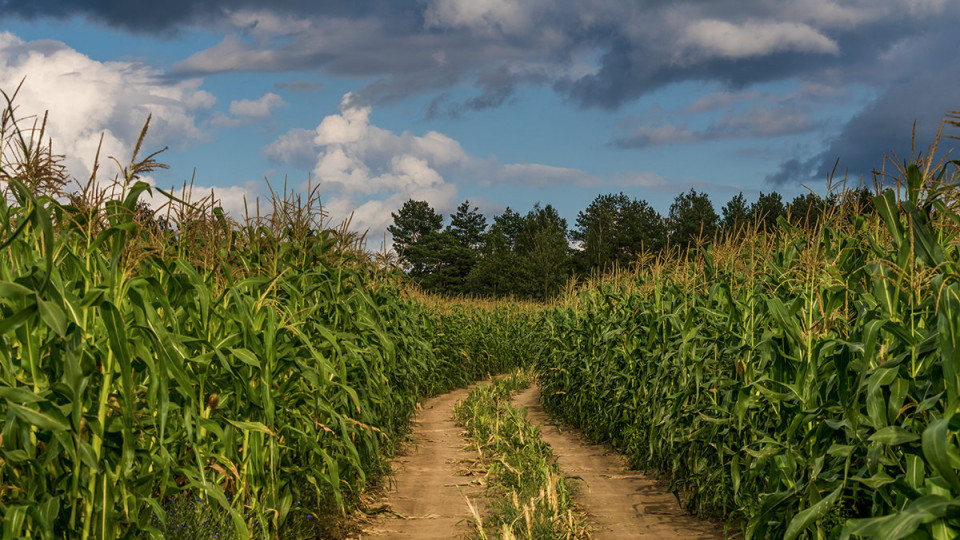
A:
(805, 382)
(264, 369)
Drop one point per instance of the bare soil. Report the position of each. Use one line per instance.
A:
(426, 497)
(619, 502)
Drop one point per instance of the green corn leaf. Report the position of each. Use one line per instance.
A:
(893, 435)
(52, 421)
(807, 517)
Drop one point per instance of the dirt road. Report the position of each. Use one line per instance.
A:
(619, 502)
(425, 495)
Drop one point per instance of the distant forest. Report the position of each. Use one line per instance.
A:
(534, 255)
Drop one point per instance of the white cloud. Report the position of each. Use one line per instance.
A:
(925, 7)
(348, 126)
(644, 136)
(295, 147)
(777, 120)
(247, 111)
(640, 179)
(262, 107)
(370, 171)
(715, 38)
(86, 97)
(542, 176)
(828, 13)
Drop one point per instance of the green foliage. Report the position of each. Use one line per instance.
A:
(766, 211)
(467, 226)
(438, 260)
(497, 272)
(614, 229)
(736, 215)
(544, 260)
(806, 383)
(809, 209)
(416, 230)
(524, 257)
(691, 217)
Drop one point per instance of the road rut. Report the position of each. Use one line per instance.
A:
(619, 502)
(424, 498)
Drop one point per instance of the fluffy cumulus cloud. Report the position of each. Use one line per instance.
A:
(256, 108)
(370, 171)
(86, 99)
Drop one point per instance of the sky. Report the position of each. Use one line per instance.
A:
(499, 102)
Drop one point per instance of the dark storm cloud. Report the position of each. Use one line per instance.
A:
(166, 15)
(497, 86)
(886, 125)
(790, 172)
(598, 54)
(924, 92)
(421, 45)
(766, 122)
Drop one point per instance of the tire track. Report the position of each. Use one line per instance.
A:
(619, 502)
(424, 499)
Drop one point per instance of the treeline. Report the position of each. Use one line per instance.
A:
(533, 255)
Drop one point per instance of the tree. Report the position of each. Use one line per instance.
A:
(413, 221)
(766, 210)
(641, 228)
(510, 224)
(735, 214)
(597, 231)
(416, 230)
(436, 262)
(497, 272)
(467, 226)
(805, 210)
(691, 216)
(543, 252)
(462, 249)
(614, 229)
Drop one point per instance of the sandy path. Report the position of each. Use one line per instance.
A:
(424, 494)
(619, 503)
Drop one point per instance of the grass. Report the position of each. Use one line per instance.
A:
(529, 495)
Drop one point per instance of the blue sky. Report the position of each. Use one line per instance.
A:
(503, 102)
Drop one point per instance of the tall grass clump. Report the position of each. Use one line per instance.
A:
(153, 363)
(805, 382)
(528, 494)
